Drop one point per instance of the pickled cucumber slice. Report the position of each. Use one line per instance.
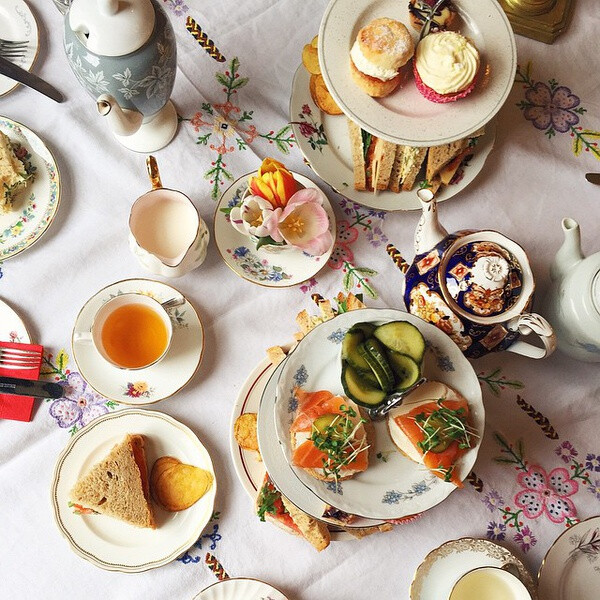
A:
(351, 341)
(406, 370)
(358, 390)
(402, 337)
(373, 353)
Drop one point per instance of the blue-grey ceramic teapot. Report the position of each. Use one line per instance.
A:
(477, 286)
(123, 53)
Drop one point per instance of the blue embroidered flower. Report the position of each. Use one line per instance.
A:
(592, 462)
(496, 531)
(337, 336)
(594, 488)
(493, 500)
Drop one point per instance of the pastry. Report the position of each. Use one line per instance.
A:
(419, 10)
(381, 48)
(445, 66)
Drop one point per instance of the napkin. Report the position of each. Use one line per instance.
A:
(19, 408)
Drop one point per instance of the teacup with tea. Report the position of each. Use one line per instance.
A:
(491, 583)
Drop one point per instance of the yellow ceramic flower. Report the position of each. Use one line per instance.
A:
(274, 183)
(140, 387)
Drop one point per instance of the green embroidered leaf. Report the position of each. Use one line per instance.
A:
(222, 79)
(577, 145)
(590, 133)
(348, 280)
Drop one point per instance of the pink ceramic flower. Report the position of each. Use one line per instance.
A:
(547, 493)
(303, 223)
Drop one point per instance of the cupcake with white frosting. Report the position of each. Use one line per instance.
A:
(445, 66)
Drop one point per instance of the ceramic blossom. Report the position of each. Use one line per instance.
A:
(278, 212)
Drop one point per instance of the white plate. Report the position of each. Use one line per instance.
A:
(280, 470)
(12, 328)
(18, 23)
(35, 207)
(240, 588)
(571, 568)
(264, 267)
(251, 471)
(113, 544)
(331, 159)
(405, 116)
(444, 566)
(154, 383)
(395, 487)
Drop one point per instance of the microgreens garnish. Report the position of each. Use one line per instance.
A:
(443, 426)
(269, 495)
(338, 441)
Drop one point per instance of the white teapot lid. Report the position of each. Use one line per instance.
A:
(112, 27)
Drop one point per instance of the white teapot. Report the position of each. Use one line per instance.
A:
(573, 301)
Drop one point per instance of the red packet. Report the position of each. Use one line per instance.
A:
(19, 408)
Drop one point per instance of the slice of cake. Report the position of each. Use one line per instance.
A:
(13, 174)
(118, 485)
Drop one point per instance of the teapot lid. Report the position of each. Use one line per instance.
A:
(112, 27)
(484, 276)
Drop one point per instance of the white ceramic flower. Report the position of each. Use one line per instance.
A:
(495, 268)
(252, 216)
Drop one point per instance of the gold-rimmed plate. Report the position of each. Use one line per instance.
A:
(158, 381)
(112, 544)
(238, 588)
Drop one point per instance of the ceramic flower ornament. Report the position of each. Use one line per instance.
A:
(252, 217)
(274, 183)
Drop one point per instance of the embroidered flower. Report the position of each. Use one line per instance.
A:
(594, 488)
(309, 285)
(376, 236)
(496, 531)
(547, 493)
(566, 451)
(493, 500)
(80, 404)
(592, 462)
(525, 539)
(346, 235)
(551, 108)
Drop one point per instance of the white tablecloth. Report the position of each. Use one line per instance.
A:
(531, 180)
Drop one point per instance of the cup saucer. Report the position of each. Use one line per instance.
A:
(445, 565)
(158, 381)
(269, 267)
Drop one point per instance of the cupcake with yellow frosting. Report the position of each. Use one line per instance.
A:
(445, 66)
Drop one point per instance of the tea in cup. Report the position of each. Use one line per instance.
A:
(166, 232)
(132, 331)
(491, 583)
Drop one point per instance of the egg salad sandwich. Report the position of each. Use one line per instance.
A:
(118, 485)
(274, 507)
(13, 174)
(432, 428)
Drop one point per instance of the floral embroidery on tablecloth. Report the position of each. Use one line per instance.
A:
(213, 537)
(80, 404)
(497, 382)
(553, 108)
(226, 128)
(177, 7)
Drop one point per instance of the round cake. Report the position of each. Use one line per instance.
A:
(381, 48)
(446, 66)
(419, 11)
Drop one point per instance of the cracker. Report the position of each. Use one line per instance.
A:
(244, 431)
(276, 355)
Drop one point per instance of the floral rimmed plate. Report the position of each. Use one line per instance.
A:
(324, 142)
(239, 588)
(444, 566)
(405, 116)
(12, 328)
(251, 471)
(571, 568)
(18, 23)
(393, 486)
(33, 208)
(154, 383)
(112, 544)
(275, 269)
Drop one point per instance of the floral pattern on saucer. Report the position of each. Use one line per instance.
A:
(256, 268)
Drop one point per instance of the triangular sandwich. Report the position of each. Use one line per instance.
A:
(118, 485)
(440, 156)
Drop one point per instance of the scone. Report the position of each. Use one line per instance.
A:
(381, 48)
(419, 11)
(445, 66)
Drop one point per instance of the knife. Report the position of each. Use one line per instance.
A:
(593, 177)
(29, 79)
(30, 387)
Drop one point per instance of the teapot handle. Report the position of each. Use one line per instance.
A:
(526, 324)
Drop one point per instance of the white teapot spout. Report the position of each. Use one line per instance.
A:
(569, 254)
(122, 122)
(429, 231)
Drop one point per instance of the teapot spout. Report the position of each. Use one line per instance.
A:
(429, 231)
(122, 122)
(569, 254)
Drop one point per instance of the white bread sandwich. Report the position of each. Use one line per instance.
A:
(328, 436)
(13, 174)
(118, 485)
(407, 164)
(272, 506)
(432, 428)
(381, 48)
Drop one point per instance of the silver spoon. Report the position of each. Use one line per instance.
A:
(392, 401)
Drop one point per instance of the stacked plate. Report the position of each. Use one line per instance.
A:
(393, 487)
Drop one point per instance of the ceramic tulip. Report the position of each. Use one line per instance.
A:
(477, 286)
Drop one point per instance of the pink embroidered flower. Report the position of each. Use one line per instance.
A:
(566, 451)
(547, 493)
(346, 235)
